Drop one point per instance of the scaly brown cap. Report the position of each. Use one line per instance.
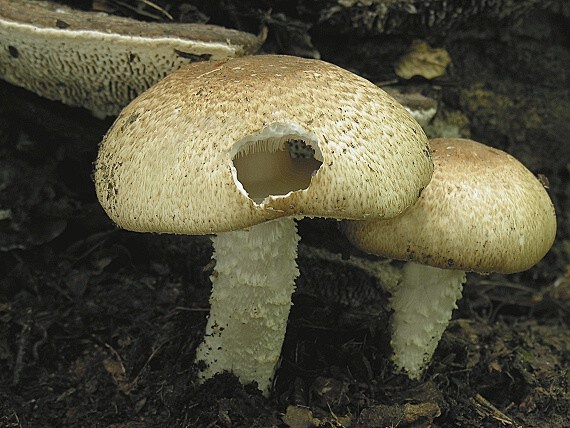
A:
(176, 159)
(483, 211)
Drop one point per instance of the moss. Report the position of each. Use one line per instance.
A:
(449, 124)
(533, 121)
(526, 355)
(488, 104)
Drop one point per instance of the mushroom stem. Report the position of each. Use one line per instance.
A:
(422, 307)
(252, 286)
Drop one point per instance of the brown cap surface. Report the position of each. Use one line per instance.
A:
(99, 61)
(166, 164)
(483, 211)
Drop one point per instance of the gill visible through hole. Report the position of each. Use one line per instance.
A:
(275, 168)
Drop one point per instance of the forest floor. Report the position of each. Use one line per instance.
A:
(99, 326)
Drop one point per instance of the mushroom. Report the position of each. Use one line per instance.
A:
(422, 108)
(241, 148)
(99, 61)
(483, 211)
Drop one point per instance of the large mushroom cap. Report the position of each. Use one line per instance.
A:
(203, 150)
(483, 211)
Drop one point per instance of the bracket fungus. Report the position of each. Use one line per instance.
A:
(483, 211)
(240, 148)
(99, 61)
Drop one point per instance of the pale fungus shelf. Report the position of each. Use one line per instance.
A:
(483, 211)
(240, 148)
(422, 60)
(99, 61)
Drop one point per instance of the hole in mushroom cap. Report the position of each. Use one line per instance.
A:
(280, 159)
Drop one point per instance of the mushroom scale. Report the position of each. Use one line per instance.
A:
(483, 211)
(240, 148)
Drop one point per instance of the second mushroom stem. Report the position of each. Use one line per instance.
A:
(250, 302)
(422, 305)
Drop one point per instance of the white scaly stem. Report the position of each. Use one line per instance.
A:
(422, 306)
(252, 286)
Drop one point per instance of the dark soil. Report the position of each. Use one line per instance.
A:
(98, 326)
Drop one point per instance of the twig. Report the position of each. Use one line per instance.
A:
(485, 408)
(22, 345)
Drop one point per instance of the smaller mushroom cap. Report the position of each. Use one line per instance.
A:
(187, 156)
(483, 211)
